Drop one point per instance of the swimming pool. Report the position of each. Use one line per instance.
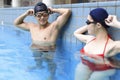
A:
(16, 57)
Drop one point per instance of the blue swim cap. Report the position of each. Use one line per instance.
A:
(99, 15)
(40, 7)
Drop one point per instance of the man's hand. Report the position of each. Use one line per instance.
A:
(50, 10)
(112, 21)
(30, 12)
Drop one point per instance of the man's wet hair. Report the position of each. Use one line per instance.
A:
(40, 7)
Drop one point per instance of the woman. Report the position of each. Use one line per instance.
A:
(97, 54)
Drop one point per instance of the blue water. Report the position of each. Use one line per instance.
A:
(16, 57)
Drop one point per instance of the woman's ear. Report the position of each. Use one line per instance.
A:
(99, 25)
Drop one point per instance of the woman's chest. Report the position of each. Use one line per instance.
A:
(94, 49)
(99, 49)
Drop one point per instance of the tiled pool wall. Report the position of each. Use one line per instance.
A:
(67, 44)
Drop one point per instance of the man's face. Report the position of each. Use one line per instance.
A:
(42, 17)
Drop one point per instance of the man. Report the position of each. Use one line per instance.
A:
(43, 34)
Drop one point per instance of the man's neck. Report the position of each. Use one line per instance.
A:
(44, 26)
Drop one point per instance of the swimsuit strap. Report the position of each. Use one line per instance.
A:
(91, 40)
(105, 45)
(105, 49)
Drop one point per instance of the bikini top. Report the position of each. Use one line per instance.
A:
(82, 51)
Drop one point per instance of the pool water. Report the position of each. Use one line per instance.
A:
(16, 57)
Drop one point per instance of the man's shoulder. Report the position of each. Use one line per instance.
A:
(31, 24)
(54, 23)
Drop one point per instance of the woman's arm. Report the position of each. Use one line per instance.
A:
(80, 34)
(112, 55)
(114, 62)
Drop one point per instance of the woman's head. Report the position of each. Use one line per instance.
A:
(99, 15)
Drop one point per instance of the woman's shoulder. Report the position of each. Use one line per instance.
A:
(117, 44)
(90, 38)
(113, 47)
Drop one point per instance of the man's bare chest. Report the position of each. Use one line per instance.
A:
(44, 34)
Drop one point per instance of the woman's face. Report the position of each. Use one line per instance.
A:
(91, 25)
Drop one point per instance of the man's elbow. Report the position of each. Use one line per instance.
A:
(68, 11)
(15, 23)
(75, 34)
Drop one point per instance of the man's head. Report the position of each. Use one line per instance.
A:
(39, 7)
(99, 15)
(41, 13)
